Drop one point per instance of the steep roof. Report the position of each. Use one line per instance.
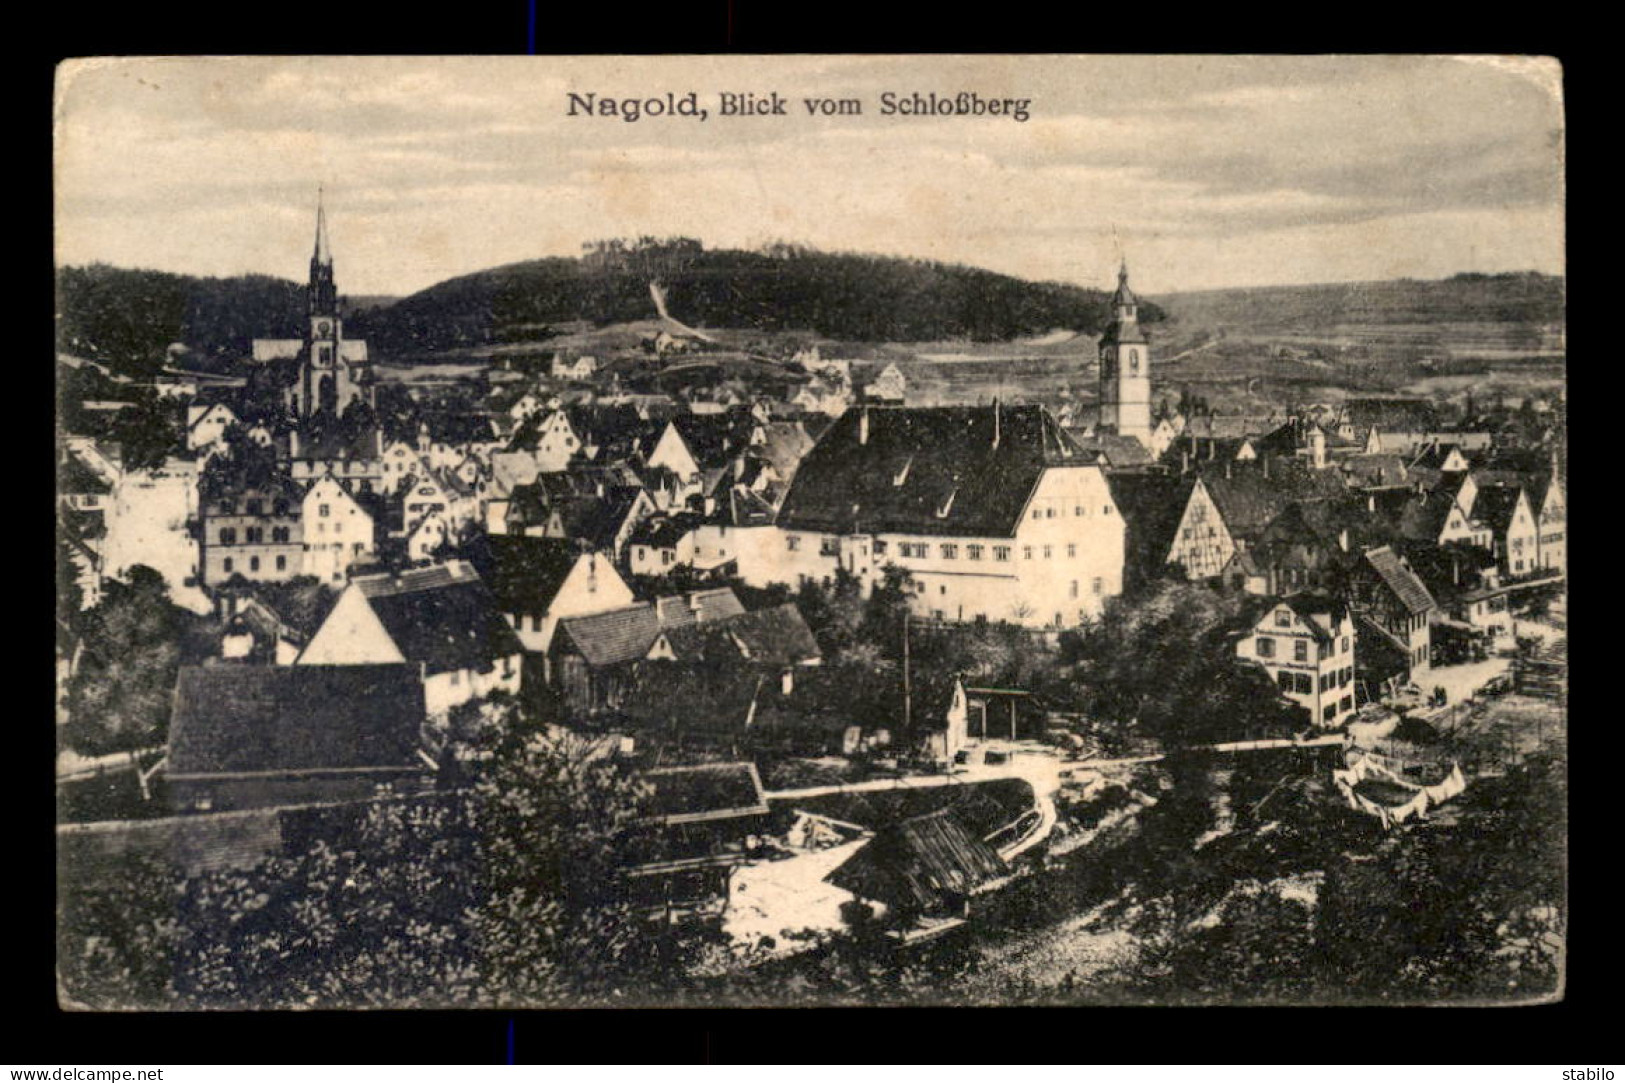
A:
(1400, 580)
(778, 636)
(1250, 495)
(74, 477)
(626, 634)
(713, 439)
(1495, 505)
(917, 862)
(444, 616)
(230, 719)
(1120, 451)
(523, 572)
(1152, 506)
(932, 470)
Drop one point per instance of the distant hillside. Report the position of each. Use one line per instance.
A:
(1525, 297)
(128, 319)
(867, 298)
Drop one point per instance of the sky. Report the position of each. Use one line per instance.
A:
(1205, 172)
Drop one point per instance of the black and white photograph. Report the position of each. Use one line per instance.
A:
(784, 531)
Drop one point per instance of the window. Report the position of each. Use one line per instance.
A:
(1078, 510)
(253, 564)
(1300, 650)
(356, 548)
(281, 564)
(950, 551)
(1038, 513)
(1283, 618)
(1324, 652)
(1107, 510)
(1266, 648)
(456, 678)
(1099, 585)
(324, 510)
(1049, 513)
(228, 536)
(1284, 679)
(338, 528)
(880, 547)
(792, 543)
(973, 552)
(1347, 704)
(1001, 552)
(1345, 644)
(1329, 713)
(1047, 551)
(1074, 588)
(667, 556)
(253, 507)
(829, 547)
(227, 507)
(254, 535)
(226, 565)
(1305, 685)
(1071, 550)
(1026, 552)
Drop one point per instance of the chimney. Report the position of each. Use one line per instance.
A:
(1185, 461)
(995, 424)
(1227, 469)
(863, 426)
(1212, 449)
(1266, 466)
(1371, 503)
(1343, 539)
(1379, 475)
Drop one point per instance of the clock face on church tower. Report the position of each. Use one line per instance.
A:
(323, 327)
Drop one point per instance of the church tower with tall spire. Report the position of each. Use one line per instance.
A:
(334, 371)
(1125, 368)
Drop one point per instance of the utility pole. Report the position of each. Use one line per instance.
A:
(908, 701)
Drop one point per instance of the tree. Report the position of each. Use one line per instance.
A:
(119, 699)
(503, 893)
(1165, 659)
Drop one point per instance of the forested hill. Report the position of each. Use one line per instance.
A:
(778, 288)
(1522, 297)
(128, 318)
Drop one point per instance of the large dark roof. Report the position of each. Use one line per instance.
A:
(74, 477)
(1495, 504)
(444, 617)
(523, 572)
(927, 470)
(716, 791)
(917, 862)
(1250, 495)
(294, 718)
(714, 439)
(1152, 506)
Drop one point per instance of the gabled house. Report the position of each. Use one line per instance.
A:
(338, 531)
(890, 387)
(247, 736)
(1514, 532)
(538, 581)
(251, 525)
(1389, 597)
(593, 658)
(1551, 514)
(443, 620)
(206, 425)
(1306, 644)
(996, 513)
